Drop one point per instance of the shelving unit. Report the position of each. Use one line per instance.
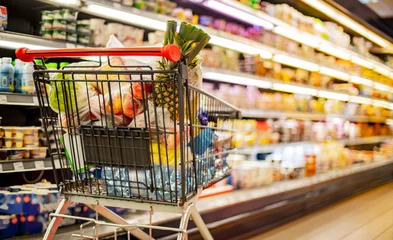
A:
(26, 165)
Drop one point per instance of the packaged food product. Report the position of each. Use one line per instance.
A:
(8, 132)
(30, 140)
(83, 39)
(59, 34)
(26, 154)
(3, 18)
(83, 27)
(72, 37)
(38, 153)
(18, 132)
(1, 132)
(59, 24)
(57, 14)
(18, 142)
(3, 154)
(8, 142)
(14, 155)
(71, 26)
(47, 24)
(47, 15)
(69, 15)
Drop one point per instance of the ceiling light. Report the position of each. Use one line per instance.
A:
(345, 20)
(334, 73)
(294, 89)
(332, 50)
(296, 36)
(237, 46)
(294, 62)
(360, 80)
(239, 14)
(333, 95)
(67, 2)
(236, 79)
(123, 16)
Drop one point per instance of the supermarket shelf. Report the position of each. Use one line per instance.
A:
(233, 77)
(11, 40)
(265, 207)
(153, 21)
(253, 150)
(286, 30)
(18, 99)
(26, 165)
(256, 113)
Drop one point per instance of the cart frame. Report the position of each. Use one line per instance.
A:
(186, 207)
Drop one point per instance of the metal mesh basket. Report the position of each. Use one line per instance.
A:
(122, 133)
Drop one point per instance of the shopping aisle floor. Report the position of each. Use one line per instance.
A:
(367, 216)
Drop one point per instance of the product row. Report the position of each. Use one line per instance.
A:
(220, 58)
(258, 132)
(302, 160)
(252, 98)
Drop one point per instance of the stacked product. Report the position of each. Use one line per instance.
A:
(25, 209)
(21, 143)
(302, 160)
(59, 25)
(255, 133)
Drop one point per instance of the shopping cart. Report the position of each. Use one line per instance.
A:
(131, 137)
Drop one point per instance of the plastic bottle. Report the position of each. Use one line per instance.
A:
(7, 75)
(28, 78)
(18, 77)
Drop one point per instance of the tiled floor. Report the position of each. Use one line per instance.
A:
(368, 216)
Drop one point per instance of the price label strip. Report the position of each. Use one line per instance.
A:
(39, 165)
(18, 166)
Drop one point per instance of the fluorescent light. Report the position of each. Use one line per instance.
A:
(237, 79)
(296, 36)
(332, 50)
(333, 95)
(294, 89)
(382, 87)
(334, 73)
(362, 62)
(296, 62)
(360, 80)
(382, 70)
(239, 14)
(380, 103)
(237, 46)
(15, 45)
(130, 18)
(361, 100)
(345, 20)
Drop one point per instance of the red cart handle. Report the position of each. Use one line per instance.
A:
(170, 51)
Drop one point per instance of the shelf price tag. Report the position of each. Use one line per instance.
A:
(1, 167)
(35, 101)
(3, 99)
(39, 164)
(57, 164)
(18, 166)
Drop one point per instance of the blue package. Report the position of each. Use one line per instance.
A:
(32, 224)
(203, 141)
(11, 202)
(9, 226)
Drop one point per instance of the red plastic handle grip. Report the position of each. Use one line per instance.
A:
(170, 51)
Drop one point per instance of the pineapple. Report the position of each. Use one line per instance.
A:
(191, 41)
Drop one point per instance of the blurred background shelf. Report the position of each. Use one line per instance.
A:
(26, 165)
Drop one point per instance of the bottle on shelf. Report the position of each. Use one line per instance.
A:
(28, 78)
(7, 75)
(18, 76)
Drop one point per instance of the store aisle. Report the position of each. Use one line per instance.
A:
(368, 216)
